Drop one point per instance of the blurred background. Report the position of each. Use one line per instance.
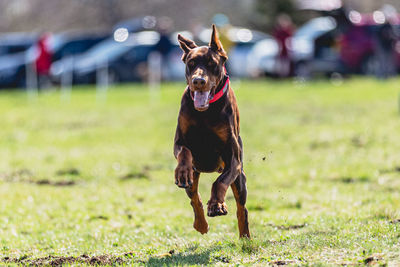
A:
(49, 43)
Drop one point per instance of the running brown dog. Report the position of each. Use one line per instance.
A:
(207, 136)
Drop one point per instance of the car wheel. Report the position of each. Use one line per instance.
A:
(370, 66)
(303, 70)
(113, 77)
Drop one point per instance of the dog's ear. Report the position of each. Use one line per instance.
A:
(186, 45)
(215, 43)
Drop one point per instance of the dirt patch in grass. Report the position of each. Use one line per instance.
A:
(359, 141)
(63, 260)
(319, 144)
(99, 217)
(281, 262)
(144, 173)
(255, 207)
(54, 183)
(374, 259)
(17, 175)
(395, 221)
(134, 175)
(27, 176)
(352, 180)
(392, 170)
(68, 171)
(287, 227)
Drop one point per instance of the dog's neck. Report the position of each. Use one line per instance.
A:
(221, 89)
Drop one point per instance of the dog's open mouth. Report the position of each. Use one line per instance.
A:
(201, 99)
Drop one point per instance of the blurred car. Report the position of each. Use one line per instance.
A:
(262, 58)
(345, 44)
(13, 66)
(364, 55)
(242, 61)
(12, 70)
(356, 49)
(123, 61)
(245, 57)
(11, 43)
(66, 44)
(302, 47)
(132, 25)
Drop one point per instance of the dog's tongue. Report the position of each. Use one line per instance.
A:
(201, 99)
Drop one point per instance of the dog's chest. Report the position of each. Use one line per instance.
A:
(204, 137)
(206, 147)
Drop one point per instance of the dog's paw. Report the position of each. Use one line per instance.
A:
(183, 176)
(201, 227)
(216, 209)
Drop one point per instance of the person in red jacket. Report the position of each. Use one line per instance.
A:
(282, 32)
(43, 61)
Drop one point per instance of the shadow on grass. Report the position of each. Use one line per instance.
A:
(216, 252)
(183, 258)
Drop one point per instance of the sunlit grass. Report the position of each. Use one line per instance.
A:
(92, 177)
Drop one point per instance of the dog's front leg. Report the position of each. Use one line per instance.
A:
(233, 165)
(184, 169)
(187, 178)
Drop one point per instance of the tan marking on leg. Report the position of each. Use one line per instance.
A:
(200, 222)
(242, 215)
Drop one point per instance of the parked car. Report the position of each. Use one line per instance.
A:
(244, 57)
(241, 61)
(67, 44)
(12, 70)
(346, 44)
(262, 58)
(123, 61)
(137, 24)
(302, 47)
(13, 66)
(12, 43)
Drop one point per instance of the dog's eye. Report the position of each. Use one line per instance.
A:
(190, 64)
(211, 64)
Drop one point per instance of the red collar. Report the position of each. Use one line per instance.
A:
(220, 93)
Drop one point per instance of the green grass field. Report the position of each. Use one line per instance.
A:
(91, 182)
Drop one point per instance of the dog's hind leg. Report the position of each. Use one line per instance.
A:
(200, 223)
(240, 192)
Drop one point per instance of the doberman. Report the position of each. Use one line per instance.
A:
(207, 136)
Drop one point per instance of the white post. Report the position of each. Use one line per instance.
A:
(67, 79)
(102, 81)
(31, 78)
(154, 64)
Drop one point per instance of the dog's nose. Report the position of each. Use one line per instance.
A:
(200, 82)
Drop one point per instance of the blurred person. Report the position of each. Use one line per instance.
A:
(385, 45)
(223, 25)
(355, 48)
(283, 30)
(43, 61)
(164, 45)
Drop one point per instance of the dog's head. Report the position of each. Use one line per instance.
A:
(204, 68)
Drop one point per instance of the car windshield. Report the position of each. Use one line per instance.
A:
(316, 27)
(107, 49)
(56, 41)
